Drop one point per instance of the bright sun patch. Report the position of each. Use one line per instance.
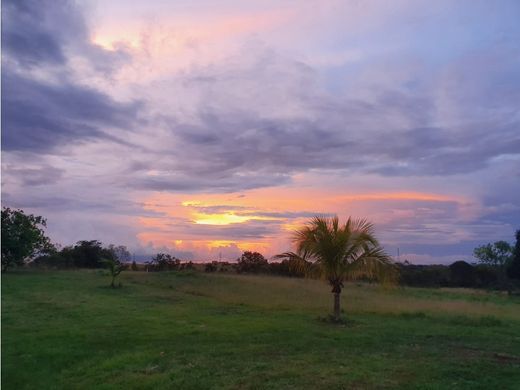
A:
(220, 219)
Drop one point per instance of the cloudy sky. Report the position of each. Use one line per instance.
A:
(211, 127)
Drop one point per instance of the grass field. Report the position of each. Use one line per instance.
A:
(68, 330)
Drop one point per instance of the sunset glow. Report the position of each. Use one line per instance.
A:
(204, 129)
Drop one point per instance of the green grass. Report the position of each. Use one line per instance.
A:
(68, 330)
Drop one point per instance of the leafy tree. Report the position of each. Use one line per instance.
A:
(23, 237)
(496, 255)
(252, 262)
(134, 267)
(341, 252)
(115, 267)
(89, 254)
(514, 268)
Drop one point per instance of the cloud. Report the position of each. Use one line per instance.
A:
(259, 121)
(347, 100)
(39, 116)
(43, 106)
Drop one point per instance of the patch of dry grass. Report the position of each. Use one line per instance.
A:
(306, 294)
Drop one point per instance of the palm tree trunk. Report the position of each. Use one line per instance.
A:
(337, 308)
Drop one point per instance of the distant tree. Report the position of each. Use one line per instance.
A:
(115, 267)
(496, 255)
(211, 267)
(252, 262)
(23, 237)
(513, 270)
(89, 254)
(341, 252)
(134, 267)
(164, 262)
(462, 274)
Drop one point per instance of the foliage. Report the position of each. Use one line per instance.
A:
(115, 267)
(89, 254)
(496, 255)
(513, 270)
(84, 254)
(211, 267)
(252, 262)
(188, 266)
(134, 267)
(424, 275)
(286, 267)
(23, 237)
(455, 275)
(163, 262)
(338, 253)
(487, 276)
(462, 274)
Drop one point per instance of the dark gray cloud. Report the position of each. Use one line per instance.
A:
(42, 175)
(38, 116)
(38, 33)
(28, 36)
(216, 180)
(39, 113)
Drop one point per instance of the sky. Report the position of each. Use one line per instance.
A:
(206, 128)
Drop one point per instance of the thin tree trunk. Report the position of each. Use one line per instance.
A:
(337, 308)
(112, 284)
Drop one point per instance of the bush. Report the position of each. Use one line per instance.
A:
(462, 274)
(424, 275)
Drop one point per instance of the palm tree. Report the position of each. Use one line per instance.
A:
(340, 252)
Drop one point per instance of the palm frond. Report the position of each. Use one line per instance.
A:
(338, 252)
(373, 264)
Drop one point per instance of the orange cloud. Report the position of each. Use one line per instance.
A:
(285, 207)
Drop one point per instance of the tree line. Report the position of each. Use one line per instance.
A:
(24, 242)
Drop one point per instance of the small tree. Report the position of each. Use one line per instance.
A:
(134, 267)
(23, 237)
(498, 256)
(115, 267)
(339, 252)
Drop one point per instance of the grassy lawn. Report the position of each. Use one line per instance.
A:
(200, 331)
